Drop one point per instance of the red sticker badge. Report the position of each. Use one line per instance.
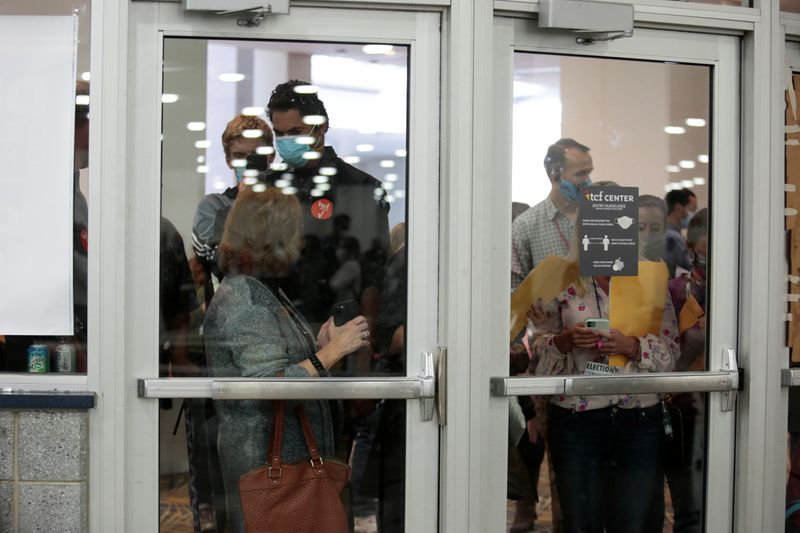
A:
(85, 240)
(322, 209)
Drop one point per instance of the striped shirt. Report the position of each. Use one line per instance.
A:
(540, 231)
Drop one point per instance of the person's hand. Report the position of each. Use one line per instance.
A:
(538, 315)
(577, 336)
(324, 335)
(614, 342)
(350, 337)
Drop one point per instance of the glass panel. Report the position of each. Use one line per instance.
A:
(282, 236)
(583, 133)
(738, 3)
(64, 353)
(790, 6)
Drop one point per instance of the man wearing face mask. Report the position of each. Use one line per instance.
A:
(652, 225)
(330, 191)
(546, 228)
(209, 218)
(681, 206)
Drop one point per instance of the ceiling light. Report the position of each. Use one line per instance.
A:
(314, 120)
(324, 186)
(352, 160)
(696, 122)
(82, 99)
(252, 134)
(703, 158)
(668, 187)
(289, 190)
(305, 139)
(367, 130)
(202, 144)
(201, 159)
(364, 148)
(231, 77)
(316, 193)
(673, 168)
(86, 76)
(400, 153)
(282, 183)
(202, 169)
(688, 184)
(253, 111)
(265, 150)
(306, 89)
(699, 181)
(390, 177)
(376, 49)
(389, 198)
(259, 187)
(196, 126)
(675, 130)
(387, 163)
(327, 171)
(169, 98)
(250, 180)
(219, 185)
(279, 167)
(320, 179)
(686, 163)
(251, 173)
(400, 193)
(388, 186)
(311, 156)
(239, 163)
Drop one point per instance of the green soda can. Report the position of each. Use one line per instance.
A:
(38, 358)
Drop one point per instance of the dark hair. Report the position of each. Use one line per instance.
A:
(81, 110)
(556, 156)
(698, 227)
(678, 197)
(648, 200)
(285, 97)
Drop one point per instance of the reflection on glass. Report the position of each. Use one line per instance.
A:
(67, 354)
(279, 257)
(595, 132)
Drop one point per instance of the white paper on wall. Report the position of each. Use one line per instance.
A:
(37, 110)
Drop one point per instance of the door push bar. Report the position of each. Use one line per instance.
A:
(422, 387)
(727, 381)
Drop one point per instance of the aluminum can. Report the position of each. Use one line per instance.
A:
(38, 358)
(65, 358)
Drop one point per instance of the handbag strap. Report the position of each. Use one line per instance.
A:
(308, 433)
(276, 440)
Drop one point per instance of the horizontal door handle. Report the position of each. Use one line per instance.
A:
(422, 387)
(790, 377)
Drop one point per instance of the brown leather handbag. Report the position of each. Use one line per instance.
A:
(295, 498)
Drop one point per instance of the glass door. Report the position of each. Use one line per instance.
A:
(622, 246)
(283, 202)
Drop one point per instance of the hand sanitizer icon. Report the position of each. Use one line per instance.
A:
(618, 265)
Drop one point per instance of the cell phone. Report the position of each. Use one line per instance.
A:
(258, 162)
(344, 312)
(597, 324)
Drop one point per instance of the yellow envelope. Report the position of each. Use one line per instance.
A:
(690, 314)
(551, 276)
(637, 302)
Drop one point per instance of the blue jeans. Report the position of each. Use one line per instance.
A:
(608, 468)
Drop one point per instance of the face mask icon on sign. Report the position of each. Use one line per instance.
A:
(624, 222)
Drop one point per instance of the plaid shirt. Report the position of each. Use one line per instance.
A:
(540, 231)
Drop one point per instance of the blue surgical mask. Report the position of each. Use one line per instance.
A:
(569, 190)
(685, 220)
(239, 171)
(292, 151)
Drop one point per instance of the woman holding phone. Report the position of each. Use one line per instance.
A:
(606, 450)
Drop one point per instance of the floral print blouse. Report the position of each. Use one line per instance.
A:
(658, 353)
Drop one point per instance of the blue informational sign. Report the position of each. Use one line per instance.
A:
(608, 231)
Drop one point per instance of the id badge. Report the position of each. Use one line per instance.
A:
(599, 369)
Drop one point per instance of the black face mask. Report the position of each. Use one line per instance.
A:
(651, 246)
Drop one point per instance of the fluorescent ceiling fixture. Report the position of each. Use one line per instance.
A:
(327, 171)
(259, 187)
(686, 163)
(239, 163)
(251, 173)
(387, 163)
(314, 120)
(250, 180)
(202, 144)
(699, 181)
(320, 179)
(389, 198)
(82, 99)
(252, 134)
(279, 167)
(169, 98)
(306, 89)
(201, 159)
(668, 187)
(202, 169)
(675, 130)
(688, 184)
(673, 168)
(253, 111)
(388, 186)
(231, 77)
(377, 49)
(196, 126)
(282, 183)
(703, 158)
(390, 177)
(676, 185)
(316, 193)
(219, 185)
(400, 193)
(311, 156)
(265, 150)
(352, 159)
(305, 139)
(289, 190)
(696, 122)
(324, 186)
(400, 153)
(364, 148)
(86, 76)
(379, 191)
